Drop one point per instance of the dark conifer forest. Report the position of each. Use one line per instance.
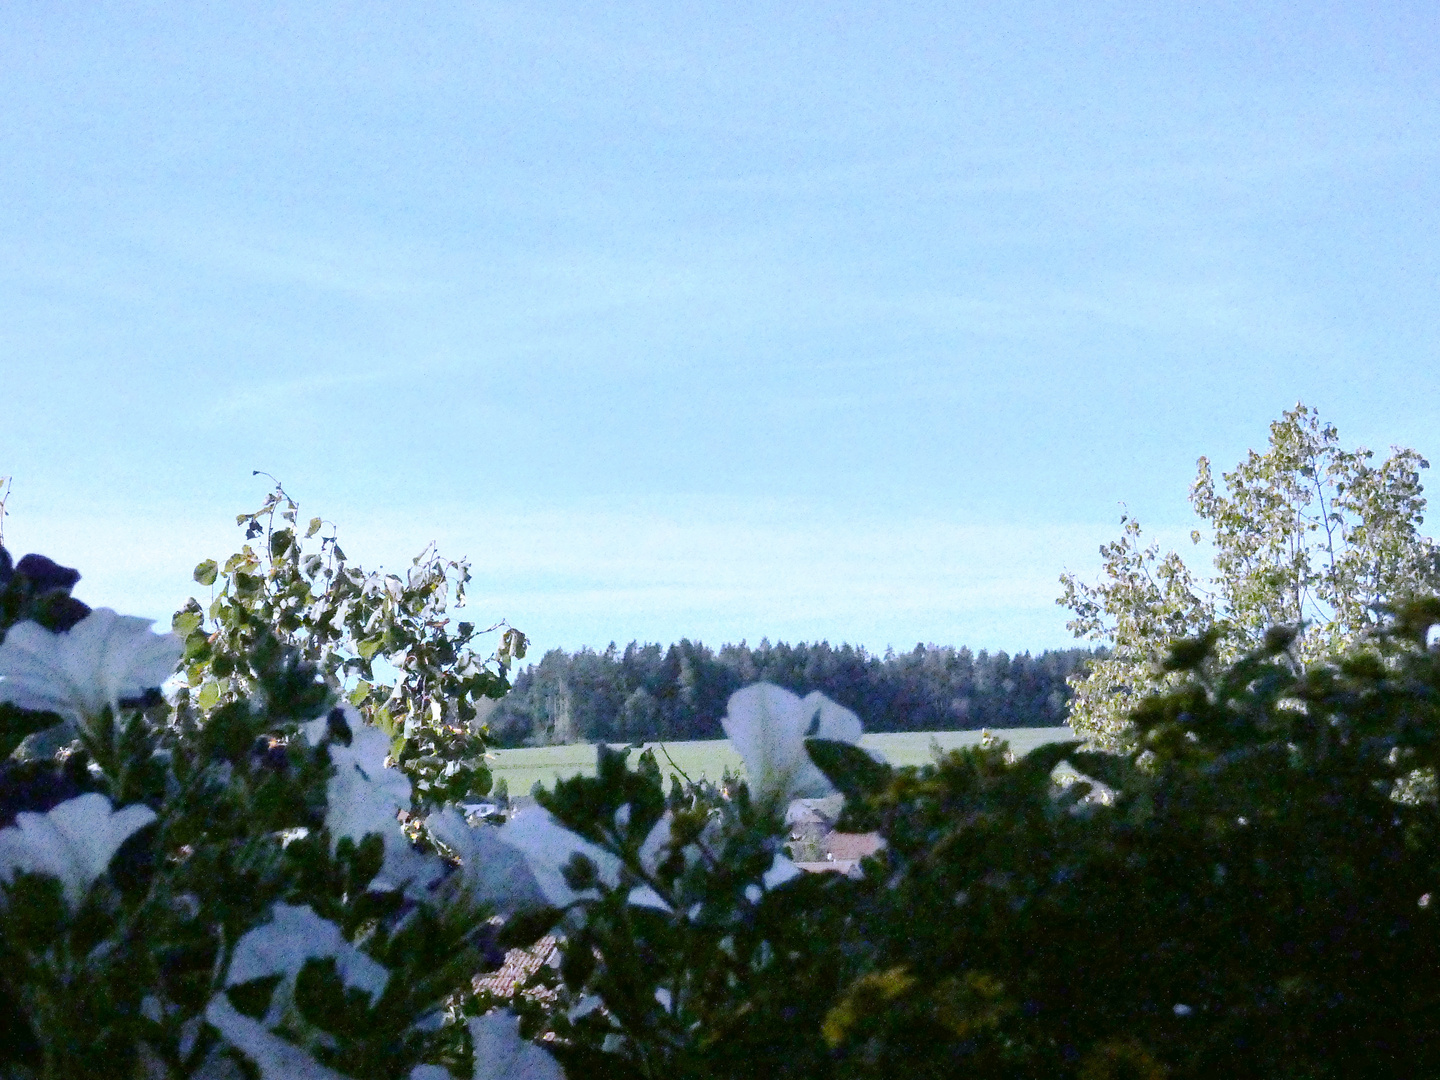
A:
(649, 692)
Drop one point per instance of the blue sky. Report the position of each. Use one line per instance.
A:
(853, 321)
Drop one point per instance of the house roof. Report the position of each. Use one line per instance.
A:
(519, 965)
(853, 846)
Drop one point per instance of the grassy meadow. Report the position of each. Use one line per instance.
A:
(521, 769)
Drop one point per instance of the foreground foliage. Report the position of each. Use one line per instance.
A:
(1249, 898)
(1248, 892)
(222, 887)
(299, 589)
(257, 881)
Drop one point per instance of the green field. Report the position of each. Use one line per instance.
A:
(521, 769)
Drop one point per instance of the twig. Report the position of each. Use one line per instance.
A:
(673, 765)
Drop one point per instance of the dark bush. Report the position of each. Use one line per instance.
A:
(1249, 895)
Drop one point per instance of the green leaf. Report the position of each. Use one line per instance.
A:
(197, 647)
(1187, 654)
(36, 912)
(17, 723)
(590, 1063)
(578, 962)
(1045, 758)
(1111, 770)
(848, 767)
(206, 572)
(524, 929)
(187, 622)
(252, 998)
(208, 696)
(322, 998)
(229, 732)
(580, 873)
(383, 719)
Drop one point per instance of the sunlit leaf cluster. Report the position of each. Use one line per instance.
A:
(385, 641)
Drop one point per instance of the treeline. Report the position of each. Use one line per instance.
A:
(649, 692)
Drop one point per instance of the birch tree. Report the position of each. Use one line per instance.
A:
(1307, 535)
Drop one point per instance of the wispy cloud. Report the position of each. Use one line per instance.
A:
(375, 268)
(585, 574)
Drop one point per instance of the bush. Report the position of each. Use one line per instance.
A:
(1249, 898)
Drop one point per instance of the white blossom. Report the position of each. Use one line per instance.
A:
(102, 660)
(548, 846)
(781, 870)
(587, 1004)
(656, 841)
(364, 796)
(653, 850)
(495, 872)
(518, 866)
(276, 1058)
(294, 935)
(768, 726)
(74, 841)
(501, 1054)
(645, 896)
(216, 1066)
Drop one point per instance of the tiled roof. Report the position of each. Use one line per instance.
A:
(839, 845)
(519, 965)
